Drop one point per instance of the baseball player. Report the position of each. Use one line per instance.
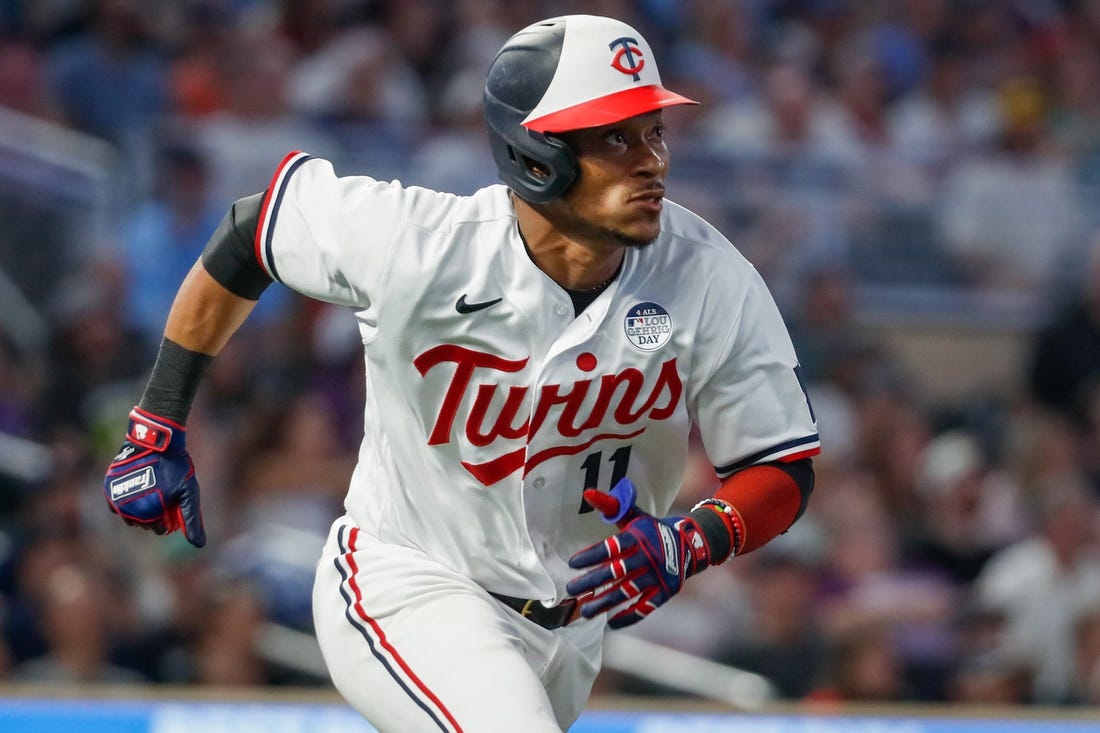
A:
(536, 355)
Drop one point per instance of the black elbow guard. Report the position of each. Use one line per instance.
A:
(802, 471)
(229, 255)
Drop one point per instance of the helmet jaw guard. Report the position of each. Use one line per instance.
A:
(563, 74)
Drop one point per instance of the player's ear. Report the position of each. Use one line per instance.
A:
(537, 169)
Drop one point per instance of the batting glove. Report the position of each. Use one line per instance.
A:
(151, 482)
(647, 562)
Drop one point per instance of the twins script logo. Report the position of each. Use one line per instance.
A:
(625, 400)
(628, 59)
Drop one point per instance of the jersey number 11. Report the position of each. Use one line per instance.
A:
(618, 460)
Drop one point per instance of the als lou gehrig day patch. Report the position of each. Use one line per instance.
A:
(648, 326)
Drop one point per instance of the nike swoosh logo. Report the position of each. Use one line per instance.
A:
(463, 307)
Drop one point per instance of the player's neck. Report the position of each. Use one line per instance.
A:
(570, 262)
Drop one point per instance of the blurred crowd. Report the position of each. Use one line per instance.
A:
(951, 551)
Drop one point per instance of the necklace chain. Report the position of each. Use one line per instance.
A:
(600, 286)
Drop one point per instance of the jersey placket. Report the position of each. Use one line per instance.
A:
(544, 479)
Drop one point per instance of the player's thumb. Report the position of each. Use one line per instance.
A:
(617, 506)
(191, 513)
(606, 504)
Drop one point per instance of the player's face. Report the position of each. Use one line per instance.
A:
(618, 196)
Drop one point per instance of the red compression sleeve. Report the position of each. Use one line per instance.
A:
(766, 498)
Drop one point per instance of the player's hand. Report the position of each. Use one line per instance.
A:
(151, 482)
(642, 566)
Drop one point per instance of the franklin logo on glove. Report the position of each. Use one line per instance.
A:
(134, 482)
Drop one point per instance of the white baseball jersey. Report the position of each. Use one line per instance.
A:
(491, 406)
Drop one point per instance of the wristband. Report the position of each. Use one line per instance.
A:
(174, 381)
(721, 527)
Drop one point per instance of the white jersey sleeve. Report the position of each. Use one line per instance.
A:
(746, 393)
(751, 406)
(330, 237)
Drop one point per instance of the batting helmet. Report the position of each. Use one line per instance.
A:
(564, 74)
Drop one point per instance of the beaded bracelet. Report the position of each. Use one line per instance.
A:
(733, 521)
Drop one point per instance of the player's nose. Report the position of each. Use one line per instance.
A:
(651, 159)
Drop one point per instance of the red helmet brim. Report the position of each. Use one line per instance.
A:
(608, 109)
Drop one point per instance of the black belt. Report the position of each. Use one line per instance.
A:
(547, 617)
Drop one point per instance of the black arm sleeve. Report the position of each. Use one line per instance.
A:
(229, 256)
(174, 381)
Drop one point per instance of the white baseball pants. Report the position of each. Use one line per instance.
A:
(413, 646)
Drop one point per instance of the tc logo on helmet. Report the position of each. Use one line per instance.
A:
(628, 59)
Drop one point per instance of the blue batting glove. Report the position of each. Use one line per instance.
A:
(151, 482)
(641, 567)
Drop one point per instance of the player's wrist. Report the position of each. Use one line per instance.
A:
(173, 383)
(720, 528)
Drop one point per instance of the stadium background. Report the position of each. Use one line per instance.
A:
(917, 180)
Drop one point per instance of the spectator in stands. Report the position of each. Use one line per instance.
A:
(256, 111)
(298, 452)
(22, 72)
(1075, 117)
(94, 353)
(862, 666)
(228, 649)
(111, 81)
(781, 120)
(865, 582)
(455, 155)
(822, 323)
(353, 75)
(969, 509)
(793, 187)
(1012, 219)
(1085, 682)
(781, 639)
(422, 32)
(711, 59)
(857, 123)
(166, 233)
(947, 117)
(173, 582)
(199, 84)
(18, 384)
(1063, 371)
(986, 669)
(989, 679)
(1043, 583)
(79, 616)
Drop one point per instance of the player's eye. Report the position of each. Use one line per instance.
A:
(658, 131)
(616, 137)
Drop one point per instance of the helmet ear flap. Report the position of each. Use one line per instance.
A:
(539, 167)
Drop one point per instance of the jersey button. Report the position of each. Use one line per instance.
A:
(561, 310)
(539, 482)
